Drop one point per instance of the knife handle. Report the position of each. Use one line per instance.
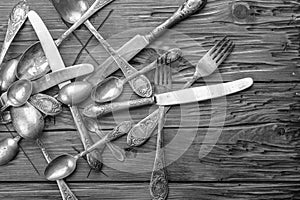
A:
(94, 110)
(187, 9)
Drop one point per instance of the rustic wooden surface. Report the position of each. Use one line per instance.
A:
(257, 154)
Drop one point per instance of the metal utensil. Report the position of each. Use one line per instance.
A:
(56, 63)
(74, 93)
(159, 183)
(64, 165)
(64, 189)
(27, 121)
(70, 11)
(17, 94)
(46, 104)
(95, 110)
(33, 63)
(60, 76)
(5, 117)
(112, 87)
(9, 148)
(17, 17)
(139, 42)
(116, 151)
(206, 65)
(7, 74)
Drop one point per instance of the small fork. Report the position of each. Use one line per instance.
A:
(159, 184)
(212, 60)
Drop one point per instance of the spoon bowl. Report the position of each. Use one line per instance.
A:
(7, 74)
(61, 167)
(107, 90)
(9, 148)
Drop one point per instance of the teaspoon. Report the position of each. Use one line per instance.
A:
(64, 165)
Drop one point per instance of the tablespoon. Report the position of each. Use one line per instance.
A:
(112, 87)
(16, 19)
(9, 148)
(116, 151)
(33, 63)
(70, 11)
(64, 165)
(18, 93)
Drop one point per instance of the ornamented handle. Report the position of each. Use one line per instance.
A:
(159, 183)
(187, 9)
(93, 110)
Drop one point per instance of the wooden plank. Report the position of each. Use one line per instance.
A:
(267, 152)
(195, 191)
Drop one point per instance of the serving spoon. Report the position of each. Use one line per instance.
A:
(16, 19)
(33, 63)
(70, 11)
(18, 93)
(112, 87)
(64, 165)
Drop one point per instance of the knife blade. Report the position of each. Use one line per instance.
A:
(56, 63)
(184, 96)
(139, 42)
(59, 76)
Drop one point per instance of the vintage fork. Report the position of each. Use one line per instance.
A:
(140, 133)
(159, 183)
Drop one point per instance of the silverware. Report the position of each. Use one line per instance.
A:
(116, 151)
(27, 121)
(159, 183)
(70, 10)
(46, 104)
(74, 93)
(112, 87)
(64, 189)
(55, 61)
(64, 165)
(60, 76)
(17, 94)
(9, 149)
(143, 130)
(5, 118)
(137, 43)
(95, 110)
(33, 63)
(7, 74)
(16, 19)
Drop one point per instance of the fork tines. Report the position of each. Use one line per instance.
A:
(221, 50)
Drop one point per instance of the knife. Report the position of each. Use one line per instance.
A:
(56, 63)
(139, 42)
(184, 96)
(59, 76)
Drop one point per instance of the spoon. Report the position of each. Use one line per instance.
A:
(115, 150)
(64, 165)
(33, 63)
(7, 74)
(74, 93)
(9, 148)
(18, 93)
(46, 104)
(27, 121)
(70, 11)
(112, 87)
(16, 19)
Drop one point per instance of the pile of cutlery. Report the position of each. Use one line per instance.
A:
(41, 67)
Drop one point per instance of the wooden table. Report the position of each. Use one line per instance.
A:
(256, 156)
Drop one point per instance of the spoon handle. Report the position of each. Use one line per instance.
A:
(141, 87)
(115, 150)
(6, 105)
(118, 131)
(64, 189)
(96, 110)
(97, 5)
(16, 19)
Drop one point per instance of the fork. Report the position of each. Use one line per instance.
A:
(140, 133)
(159, 183)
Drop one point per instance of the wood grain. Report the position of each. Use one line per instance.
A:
(243, 147)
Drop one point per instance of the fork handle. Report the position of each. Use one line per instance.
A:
(94, 110)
